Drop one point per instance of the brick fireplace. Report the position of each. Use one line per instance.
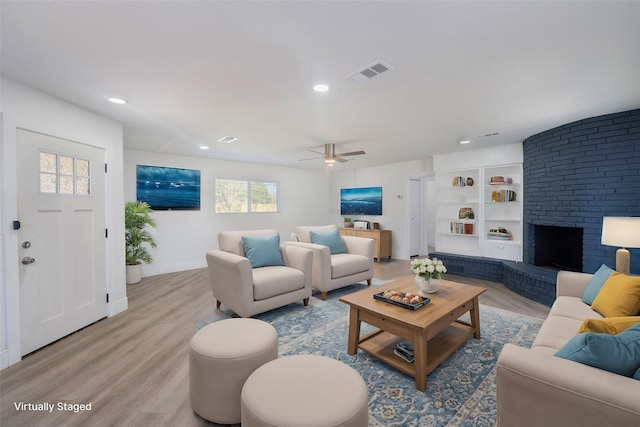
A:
(573, 176)
(577, 173)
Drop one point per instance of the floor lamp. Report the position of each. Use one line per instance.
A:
(624, 232)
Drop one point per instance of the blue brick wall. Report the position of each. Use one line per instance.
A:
(579, 172)
(535, 283)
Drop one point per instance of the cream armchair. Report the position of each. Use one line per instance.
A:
(333, 271)
(248, 291)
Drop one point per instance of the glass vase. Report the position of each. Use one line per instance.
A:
(427, 285)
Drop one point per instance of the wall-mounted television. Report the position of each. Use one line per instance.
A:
(168, 188)
(361, 201)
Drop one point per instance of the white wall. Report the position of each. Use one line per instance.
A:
(184, 237)
(26, 108)
(393, 179)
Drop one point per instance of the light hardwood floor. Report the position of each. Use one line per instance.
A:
(133, 368)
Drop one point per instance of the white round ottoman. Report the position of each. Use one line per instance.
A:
(305, 390)
(222, 355)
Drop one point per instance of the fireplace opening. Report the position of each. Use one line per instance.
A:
(559, 248)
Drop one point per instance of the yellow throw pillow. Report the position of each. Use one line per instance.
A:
(609, 325)
(619, 296)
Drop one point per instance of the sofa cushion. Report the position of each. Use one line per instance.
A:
(330, 238)
(636, 376)
(619, 296)
(572, 307)
(595, 284)
(263, 251)
(619, 354)
(609, 325)
(273, 281)
(347, 264)
(555, 332)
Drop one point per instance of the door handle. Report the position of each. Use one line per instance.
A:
(28, 260)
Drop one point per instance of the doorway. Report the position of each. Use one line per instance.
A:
(61, 208)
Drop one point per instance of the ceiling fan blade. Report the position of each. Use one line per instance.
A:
(339, 159)
(317, 152)
(311, 158)
(352, 153)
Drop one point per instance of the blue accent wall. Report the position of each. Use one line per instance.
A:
(579, 172)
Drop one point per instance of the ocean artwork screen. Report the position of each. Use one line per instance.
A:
(168, 188)
(361, 201)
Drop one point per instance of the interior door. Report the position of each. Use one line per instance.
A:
(61, 208)
(415, 230)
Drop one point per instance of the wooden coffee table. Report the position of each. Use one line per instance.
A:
(434, 329)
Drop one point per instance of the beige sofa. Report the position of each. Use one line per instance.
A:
(338, 270)
(535, 388)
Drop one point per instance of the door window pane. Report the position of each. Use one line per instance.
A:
(60, 174)
(48, 162)
(48, 183)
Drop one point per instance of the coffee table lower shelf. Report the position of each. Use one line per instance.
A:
(380, 344)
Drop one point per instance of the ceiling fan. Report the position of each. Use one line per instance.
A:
(330, 156)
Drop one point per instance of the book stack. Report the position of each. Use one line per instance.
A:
(461, 228)
(499, 233)
(503, 196)
(404, 350)
(459, 181)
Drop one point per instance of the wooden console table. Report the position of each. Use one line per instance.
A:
(381, 238)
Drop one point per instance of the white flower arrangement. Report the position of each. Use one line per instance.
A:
(428, 268)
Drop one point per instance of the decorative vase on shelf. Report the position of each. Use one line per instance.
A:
(426, 285)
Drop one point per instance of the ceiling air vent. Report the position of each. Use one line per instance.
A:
(486, 135)
(370, 71)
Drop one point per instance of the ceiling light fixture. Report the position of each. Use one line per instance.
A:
(321, 87)
(227, 139)
(466, 141)
(204, 147)
(118, 101)
(330, 161)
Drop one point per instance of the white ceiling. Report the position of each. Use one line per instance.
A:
(195, 71)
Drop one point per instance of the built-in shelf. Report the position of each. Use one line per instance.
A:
(495, 207)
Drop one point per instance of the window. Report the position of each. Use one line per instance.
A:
(242, 196)
(62, 174)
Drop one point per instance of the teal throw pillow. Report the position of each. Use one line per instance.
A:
(263, 251)
(329, 238)
(596, 282)
(619, 354)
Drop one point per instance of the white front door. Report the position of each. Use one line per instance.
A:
(61, 208)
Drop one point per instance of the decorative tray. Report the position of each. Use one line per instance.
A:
(396, 298)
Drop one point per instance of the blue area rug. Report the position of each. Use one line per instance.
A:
(460, 392)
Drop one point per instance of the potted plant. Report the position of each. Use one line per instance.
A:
(347, 222)
(137, 217)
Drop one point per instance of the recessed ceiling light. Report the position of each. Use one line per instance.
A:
(321, 87)
(466, 141)
(117, 101)
(330, 161)
(227, 139)
(204, 147)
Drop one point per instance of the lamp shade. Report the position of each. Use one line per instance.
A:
(621, 231)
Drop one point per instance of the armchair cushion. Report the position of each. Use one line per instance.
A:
(263, 251)
(343, 265)
(330, 238)
(273, 281)
(619, 354)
